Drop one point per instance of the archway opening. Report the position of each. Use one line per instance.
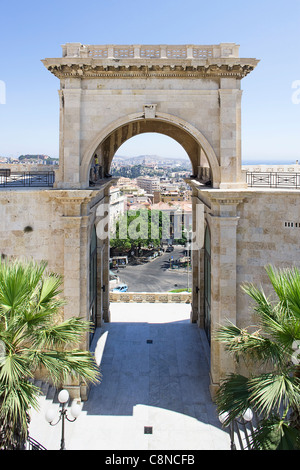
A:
(204, 162)
(151, 216)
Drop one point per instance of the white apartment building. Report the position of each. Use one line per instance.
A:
(148, 183)
(117, 204)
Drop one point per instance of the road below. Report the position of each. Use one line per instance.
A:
(156, 275)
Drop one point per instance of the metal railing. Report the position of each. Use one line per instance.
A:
(15, 179)
(273, 180)
(241, 434)
(32, 444)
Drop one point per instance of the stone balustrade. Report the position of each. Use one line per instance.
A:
(151, 297)
(21, 167)
(223, 50)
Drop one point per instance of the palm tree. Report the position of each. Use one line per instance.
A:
(33, 336)
(273, 347)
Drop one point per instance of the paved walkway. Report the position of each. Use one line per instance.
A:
(154, 366)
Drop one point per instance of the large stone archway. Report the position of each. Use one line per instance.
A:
(191, 93)
(107, 142)
(195, 90)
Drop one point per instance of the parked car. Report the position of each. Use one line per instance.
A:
(121, 288)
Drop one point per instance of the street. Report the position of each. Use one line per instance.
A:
(156, 275)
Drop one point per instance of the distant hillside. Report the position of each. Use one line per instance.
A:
(149, 159)
(35, 157)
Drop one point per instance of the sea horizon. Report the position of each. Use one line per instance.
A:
(269, 162)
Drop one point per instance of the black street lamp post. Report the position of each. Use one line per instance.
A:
(63, 398)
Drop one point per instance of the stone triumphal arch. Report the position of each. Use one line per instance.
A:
(192, 93)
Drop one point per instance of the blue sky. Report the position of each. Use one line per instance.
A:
(266, 30)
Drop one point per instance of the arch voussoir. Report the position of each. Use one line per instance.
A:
(191, 139)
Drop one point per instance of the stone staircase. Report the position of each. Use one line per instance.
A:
(48, 392)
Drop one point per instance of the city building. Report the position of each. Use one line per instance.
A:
(117, 204)
(148, 183)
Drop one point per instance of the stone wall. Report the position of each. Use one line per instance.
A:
(249, 230)
(31, 226)
(267, 233)
(55, 226)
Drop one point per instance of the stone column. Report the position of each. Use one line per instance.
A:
(194, 261)
(197, 245)
(197, 242)
(70, 134)
(72, 268)
(105, 272)
(59, 176)
(223, 222)
(230, 134)
(200, 319)
(100, 293)
(77, 220)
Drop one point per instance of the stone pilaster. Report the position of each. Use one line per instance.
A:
(105, 270)
(223, 221)
(197, 243)
(70, 135)
(230, 134)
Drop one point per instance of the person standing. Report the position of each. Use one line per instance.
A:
(96, 167)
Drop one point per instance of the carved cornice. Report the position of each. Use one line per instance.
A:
(236, 68)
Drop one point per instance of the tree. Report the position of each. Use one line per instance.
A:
(135, 229)
(32, 336)
(273, 346)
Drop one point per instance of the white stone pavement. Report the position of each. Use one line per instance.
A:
(163, 384)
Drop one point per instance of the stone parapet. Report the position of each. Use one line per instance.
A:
(19, 167)
(151, 297)
(158, 51)
(160, 61)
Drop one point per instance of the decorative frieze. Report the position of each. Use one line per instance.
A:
(73, 69)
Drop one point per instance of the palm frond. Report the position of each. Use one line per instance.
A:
(14, 367)
(49, 290)
(262, 303)
(15, 401)
(58, 335)
(60, 365)
(33, 336)
(275, 434)
(286, 284)
(270, 392)
(233, 396)
(253, 345)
